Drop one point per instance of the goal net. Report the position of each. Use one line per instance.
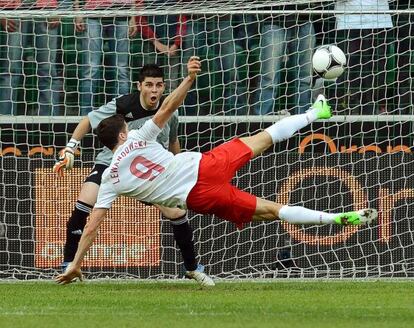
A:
(256, 58)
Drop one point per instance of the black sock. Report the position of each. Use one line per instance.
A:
(74, 229)
(183, 235)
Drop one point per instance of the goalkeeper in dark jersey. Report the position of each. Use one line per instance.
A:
(136, 108)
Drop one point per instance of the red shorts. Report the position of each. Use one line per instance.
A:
(214, 193)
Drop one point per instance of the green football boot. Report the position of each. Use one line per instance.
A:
(323, 110)
(357, 217)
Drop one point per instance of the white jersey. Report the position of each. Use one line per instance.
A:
(141, 168)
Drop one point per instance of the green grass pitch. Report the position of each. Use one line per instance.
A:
(276, 303)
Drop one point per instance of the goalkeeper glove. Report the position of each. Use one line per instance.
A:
(66, 157)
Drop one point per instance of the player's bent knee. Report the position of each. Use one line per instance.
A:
(171, 213)
(258, 143)
(266, 210)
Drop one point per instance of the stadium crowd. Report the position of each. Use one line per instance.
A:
(255, 64)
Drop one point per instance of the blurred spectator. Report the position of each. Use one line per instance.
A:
(235, 43)
(196, 43)
(404, 33)
(286, 39)
(230, 39)
(162, 36)
(94, 31)
(43, 33)
(363, 38)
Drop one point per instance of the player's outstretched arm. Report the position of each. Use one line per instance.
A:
(67, 155)
(89, 235)
(175, 98)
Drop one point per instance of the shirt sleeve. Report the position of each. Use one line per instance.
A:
(106, 195)
(97, 115)
(149, 131)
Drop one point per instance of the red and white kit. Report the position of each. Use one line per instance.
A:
(141, 168)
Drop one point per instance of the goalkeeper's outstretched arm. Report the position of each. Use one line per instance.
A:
(82, 129)
(67, 155)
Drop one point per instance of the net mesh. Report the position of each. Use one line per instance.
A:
(256, 59)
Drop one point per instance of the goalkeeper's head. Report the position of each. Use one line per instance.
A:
(151, 85)
(112, 131)
(150, 70)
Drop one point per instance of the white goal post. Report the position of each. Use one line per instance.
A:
(361, 157)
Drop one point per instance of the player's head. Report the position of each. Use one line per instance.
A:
(112, 131)
(151, 85)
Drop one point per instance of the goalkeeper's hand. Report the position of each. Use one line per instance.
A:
(66, 158)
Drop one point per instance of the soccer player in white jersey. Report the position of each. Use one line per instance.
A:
(142, 169)
(136, 108)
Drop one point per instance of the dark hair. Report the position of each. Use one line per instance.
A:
(150, 70)
(108, 130)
